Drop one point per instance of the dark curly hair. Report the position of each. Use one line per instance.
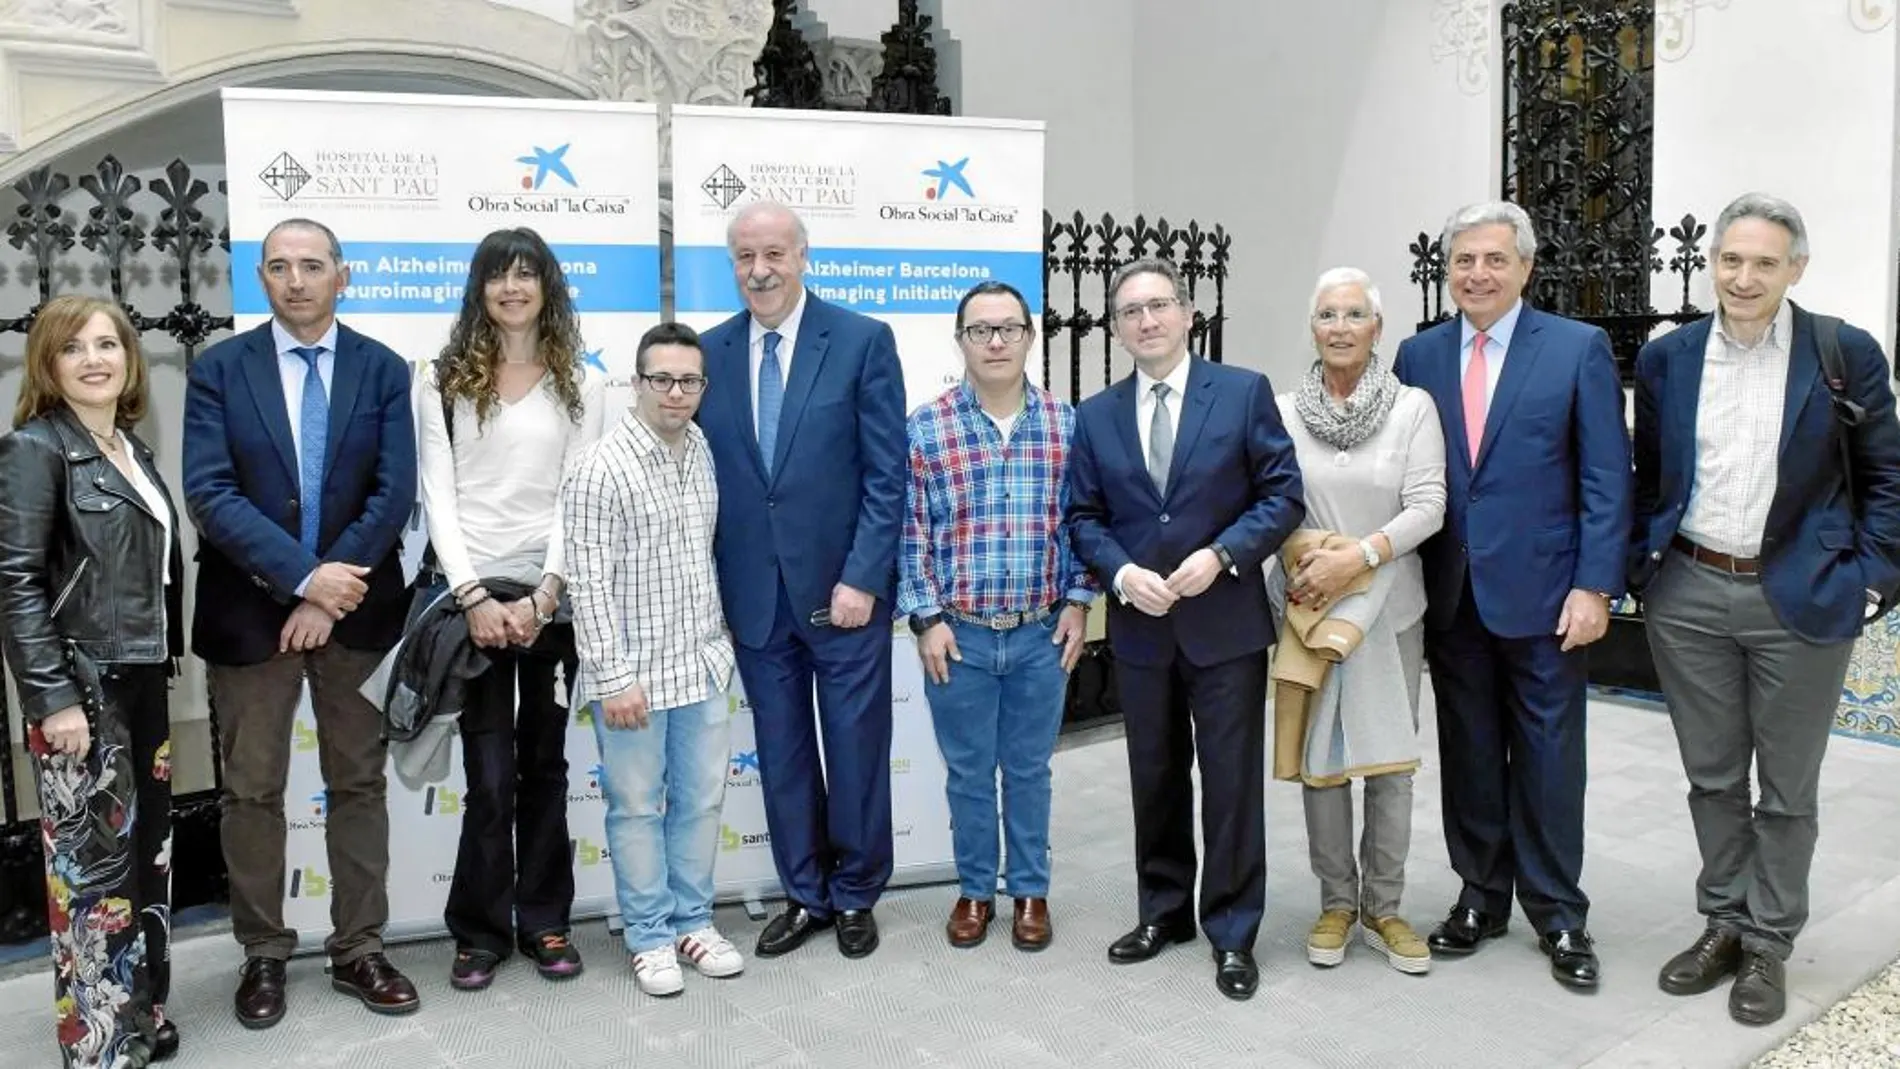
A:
(466, 366)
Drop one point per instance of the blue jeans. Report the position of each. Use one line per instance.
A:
(1000, 709)
(664, 785)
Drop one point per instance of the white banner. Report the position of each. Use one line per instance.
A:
(411, 184)
(905, 214)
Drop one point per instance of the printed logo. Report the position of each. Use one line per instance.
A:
(591, 358)
(730, 840)
(743, 769)
(309, 882)
(547, 163)
(949, 176)
(441, 802)
(285, 176)
(900, 766)
(320, 804)
(303, 737)
(723, 187)
(588, 852)
(584, 716)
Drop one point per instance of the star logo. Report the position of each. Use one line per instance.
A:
(591, 358)
(547, 162)
(723, 187)
(285, 176)
(949, 176)
(744, 761)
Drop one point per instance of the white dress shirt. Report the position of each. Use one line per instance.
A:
(1145, 401)
(788, 340)
(1497, 347)
(1738, 437)
(292, 369)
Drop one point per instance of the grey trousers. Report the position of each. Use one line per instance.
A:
(1373, 885)
(1740, 687)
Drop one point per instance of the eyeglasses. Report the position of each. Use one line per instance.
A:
(662, 383)
(981, 333)
(1355, 317)
(1130, 314)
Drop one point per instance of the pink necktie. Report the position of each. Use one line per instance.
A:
(1474, 397)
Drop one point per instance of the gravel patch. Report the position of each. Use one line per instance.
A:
(1862, 1031)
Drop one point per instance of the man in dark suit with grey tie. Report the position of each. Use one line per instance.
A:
(1182, 483)
(300, 472)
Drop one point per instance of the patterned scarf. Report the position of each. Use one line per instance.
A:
(1360, 417)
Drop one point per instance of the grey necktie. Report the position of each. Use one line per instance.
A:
(1160, 439)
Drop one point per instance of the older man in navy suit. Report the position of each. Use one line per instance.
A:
(1519, 580)
(300, 472)
(1182, 483)
(805, 417)
(1758, 533)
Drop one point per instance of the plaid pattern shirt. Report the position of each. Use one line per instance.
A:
(639, 527)
(983, 528)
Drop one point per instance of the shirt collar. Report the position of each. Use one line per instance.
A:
(1780, 329)
(966, 398)
(1176, 380)
(646, 443)
(787, 329)
(1500, 332)
(285, 343)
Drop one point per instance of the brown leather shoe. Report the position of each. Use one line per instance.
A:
(1031, 930)
(969, 922)
(377, 984)
(259, 1002)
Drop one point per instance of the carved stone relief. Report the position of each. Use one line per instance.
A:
(1464, 35)
(676, 51)
(849, 67)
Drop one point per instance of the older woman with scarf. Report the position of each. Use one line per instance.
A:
(1373, 459)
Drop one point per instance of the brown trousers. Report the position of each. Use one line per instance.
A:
(256, 705)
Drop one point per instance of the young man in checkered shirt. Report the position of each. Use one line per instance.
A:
(655, 660)
(998, 602)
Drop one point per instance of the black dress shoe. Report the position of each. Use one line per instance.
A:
(1236, 974)
(1573, 957)
(1147, 940)
(788, 931)
(857, 933)
(166, 1043)
(1714, 956)
(1760, 994)
(1464, 929)
(259, 1002)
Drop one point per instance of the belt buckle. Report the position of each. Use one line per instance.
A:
(1005, 620)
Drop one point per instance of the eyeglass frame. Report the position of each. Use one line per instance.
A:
(1357, 317)
(1128, 315)
(995, 330)
(652, 383)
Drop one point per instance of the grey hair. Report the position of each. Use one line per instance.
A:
(1768, 207)
(300, 223)
(1472, 216)
(1346, 276)
(1149, 265)
(764, 207)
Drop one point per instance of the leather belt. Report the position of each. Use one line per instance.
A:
(1719, 561)
(1003, 621)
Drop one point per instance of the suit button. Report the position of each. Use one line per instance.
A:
(1164, 517)
(771, 502)
(294, 504)
(1655, 554)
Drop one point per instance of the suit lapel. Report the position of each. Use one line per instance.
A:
(1451, 394)
(267, 393)
(1804, 371)
(1127, 426)
(346, 382)
(808, 357)
(1685, 398)
(1195, 403)
(1526, 343)
(734, 371)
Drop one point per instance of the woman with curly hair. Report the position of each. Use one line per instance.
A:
(90, 575)
(508, 410)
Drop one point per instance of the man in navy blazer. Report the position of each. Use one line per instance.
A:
(1520, 578)
(1182, 483)
(1754, 559)
(300, 472)
(805, 417)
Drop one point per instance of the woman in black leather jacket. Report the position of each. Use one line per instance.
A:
(90, 614)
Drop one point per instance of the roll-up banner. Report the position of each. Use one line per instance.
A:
(410, 184)
(905, 214)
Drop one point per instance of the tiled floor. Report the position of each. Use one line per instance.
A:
(918, 1003)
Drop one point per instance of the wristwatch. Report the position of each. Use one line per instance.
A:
(542, 619)
(1075, 602)
(1370, 552)
(1226, 559)
(921, 622)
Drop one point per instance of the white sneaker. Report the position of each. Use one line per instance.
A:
(657, 971)
(711, 953)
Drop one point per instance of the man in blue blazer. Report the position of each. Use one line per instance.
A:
(1182, 483)
(1754, 557)
(1518, 581)
(805, 417)
(299, 472)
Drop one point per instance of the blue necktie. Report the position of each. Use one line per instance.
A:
(771, 397)
(315, 433)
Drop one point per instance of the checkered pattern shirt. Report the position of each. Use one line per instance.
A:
(639, 527)
(983, 529)
(1738, 437)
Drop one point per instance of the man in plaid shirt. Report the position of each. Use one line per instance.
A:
(655, 659)
(998, 602)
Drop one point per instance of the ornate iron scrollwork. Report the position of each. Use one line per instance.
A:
(789, 74)
(907, 85)
(786, 73)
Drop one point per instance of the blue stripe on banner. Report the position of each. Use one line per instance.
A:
(427, 277)
(871, 281)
